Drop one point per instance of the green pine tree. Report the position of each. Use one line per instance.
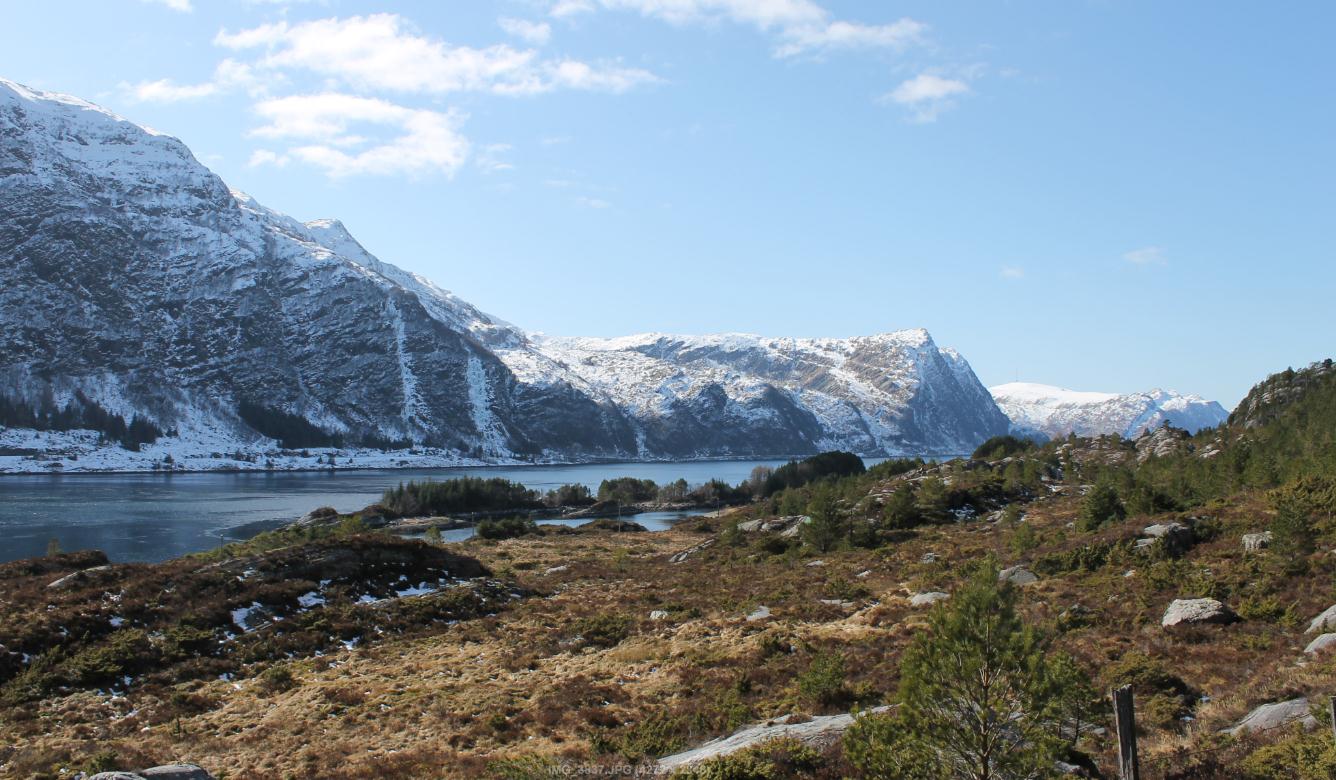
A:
(980, 698)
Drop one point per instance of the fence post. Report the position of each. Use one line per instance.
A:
(1333, 717)
(1124, 720)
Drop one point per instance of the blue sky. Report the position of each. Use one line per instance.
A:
(1103, 195)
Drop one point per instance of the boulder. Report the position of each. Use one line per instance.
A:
(818, 733)
(817, 562)
(658, 614)
(81, 577)
(1324, 621)
(1322, 644)
(612, 524)
(928, 599)
(1255, 542)
(928, 557)
(760, 613)
(175, 772)
(555, 570)
(1017, 575)
(1275, 715)
(324, 515)
(165, 772)
(1161, 530)
(1196, 611)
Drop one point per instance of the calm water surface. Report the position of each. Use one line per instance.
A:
(152, 517)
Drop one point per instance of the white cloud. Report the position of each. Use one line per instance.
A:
(261, 157)
(565, 8)
(799, 25)
(379, 52)
(1146, 255)
(1013, 272)
(927, 95)
(176, 5)
(537, 33)
(420, 140)
(228, 74)
(592, 203)
(489, 158)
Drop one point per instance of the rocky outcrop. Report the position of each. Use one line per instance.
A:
(1017, 575)
(817, 733)
(166, 772)
(1323, 644)
(1324, 621)
(1275, 715)
(1196, 612)
(1257, 541)
(928, 599)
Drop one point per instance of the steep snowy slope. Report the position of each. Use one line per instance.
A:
(888, 394)
(1055, 411)
(132, 276)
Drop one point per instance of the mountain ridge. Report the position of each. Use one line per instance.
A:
(139, 280)
(1055, 412)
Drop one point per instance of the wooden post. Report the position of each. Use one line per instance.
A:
(1333, 717)
(1124, 720)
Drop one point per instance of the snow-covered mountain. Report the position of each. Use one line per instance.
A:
(1055, 411)
(131, 276)
(887, 394)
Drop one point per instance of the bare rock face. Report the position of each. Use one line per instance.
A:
(818, 733)
(166, 772)
(1324, 621)
(1275, 715)
(1196, 611)
(1323, 644)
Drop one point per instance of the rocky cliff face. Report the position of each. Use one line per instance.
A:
(130, 273)
(1054, 411)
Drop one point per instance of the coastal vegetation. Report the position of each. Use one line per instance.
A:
(1052, 570)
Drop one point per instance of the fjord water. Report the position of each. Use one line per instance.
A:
(153, 517)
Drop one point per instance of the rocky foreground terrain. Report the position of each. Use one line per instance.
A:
(338, 653)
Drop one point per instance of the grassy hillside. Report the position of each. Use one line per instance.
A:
(613, 648)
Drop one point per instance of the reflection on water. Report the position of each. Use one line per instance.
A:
(152, 517)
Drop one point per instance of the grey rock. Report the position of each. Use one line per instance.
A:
(818, 733)
(1324, 621)
(760, 613)
(1161, 530)
(1275, 715)
(1017, 575)
(1322, 644)
(79, 577)
(928, 599)
(658, 614)
(1257, 541)
(928, 557)
(1196, 611)
(176, 772)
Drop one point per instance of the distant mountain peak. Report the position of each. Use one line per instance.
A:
(1057, 411)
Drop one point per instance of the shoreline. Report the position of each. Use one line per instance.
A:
(56, 473)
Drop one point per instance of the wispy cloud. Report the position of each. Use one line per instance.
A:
(927, 95)
(411, 141)
(1012, 272)
(490, 160)
(228, 75)
(262, 157)
(537, 33)
(183, 6)
(799, 26)
(381, 52)
(592, 203)
(1146, 255)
